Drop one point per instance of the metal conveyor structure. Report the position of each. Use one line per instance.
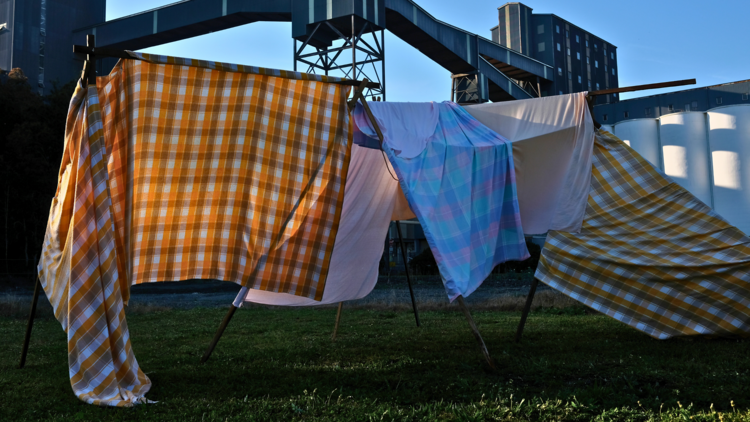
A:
(498, 72)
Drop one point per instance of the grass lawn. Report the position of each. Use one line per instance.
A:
(280, 364)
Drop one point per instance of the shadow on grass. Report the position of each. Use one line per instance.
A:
(281, 364)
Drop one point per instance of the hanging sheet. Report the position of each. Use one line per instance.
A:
(370, 202)
(224, 172)
(650, 254)
(553, 140)
(188, 170)
(78, 267)
(459, 182)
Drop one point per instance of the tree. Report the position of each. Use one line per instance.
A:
(32, 131)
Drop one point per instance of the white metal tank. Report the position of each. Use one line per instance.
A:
(729, 141)
(643, 136)
(608, 128)
(685, 152)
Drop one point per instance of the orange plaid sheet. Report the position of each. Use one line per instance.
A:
(650, 254)
(78, 269)
(224, 172)
(188, 169)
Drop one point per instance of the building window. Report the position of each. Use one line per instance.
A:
(595, 46)
(587, 60)
(578, 39)
(559, 71)
(587, 43)
(648, 111)
(695, 105)
(567, 34)
(626, 114)
(578, 55)
(718, 100)
(597, 86)
(568, 52)
(560, 92)
(604, 117)
(579, 79)
(540, 29)
(540, 47)
(612, 55)
(558, 46)
(670, 107)
(613, 71)
(570, 76)
(557, 28)
(596, 64)
(745, 96)
(589, 84)
(687, 107)
(614, 95)
(605, 68)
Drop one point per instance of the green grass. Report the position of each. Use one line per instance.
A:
(280, 364)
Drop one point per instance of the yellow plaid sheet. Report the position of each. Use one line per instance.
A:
(179, 169)
(650, 254)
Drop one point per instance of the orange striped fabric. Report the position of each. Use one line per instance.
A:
(650, 254)
(177, 169)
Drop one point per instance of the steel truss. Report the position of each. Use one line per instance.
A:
(466, 88)
(367, 48)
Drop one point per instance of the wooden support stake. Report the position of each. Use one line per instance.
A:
(30, 324)
(406, 267)
(218, 334)
(475, 331)
(338, 319)
(526, 309)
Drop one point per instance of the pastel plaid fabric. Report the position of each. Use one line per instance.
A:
(650, 254)
(225, 172)
(462, 188)
(78, 268)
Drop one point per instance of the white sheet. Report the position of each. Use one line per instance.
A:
(553, 141)
(370, 200)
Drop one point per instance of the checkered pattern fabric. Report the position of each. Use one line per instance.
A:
(223, 174)
(175, 172)
(462, 187)
(78, 268)
(650, 254)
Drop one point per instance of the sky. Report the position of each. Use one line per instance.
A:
(656, 40)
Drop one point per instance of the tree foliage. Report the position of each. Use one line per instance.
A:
(32, 131)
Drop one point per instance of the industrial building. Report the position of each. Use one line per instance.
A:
(36, 36)
(655, 106)
(703, 144)
(581, 60)
(530, 55)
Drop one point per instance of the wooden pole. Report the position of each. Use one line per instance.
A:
(338, 320)
(219, 332)
(526, 309)
(30, 324)
(642, 87)
(475, 331)
(406, 267)
(360, 96)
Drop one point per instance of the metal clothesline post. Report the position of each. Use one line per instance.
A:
(406, 268)
(526, 309)
(30, 323)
